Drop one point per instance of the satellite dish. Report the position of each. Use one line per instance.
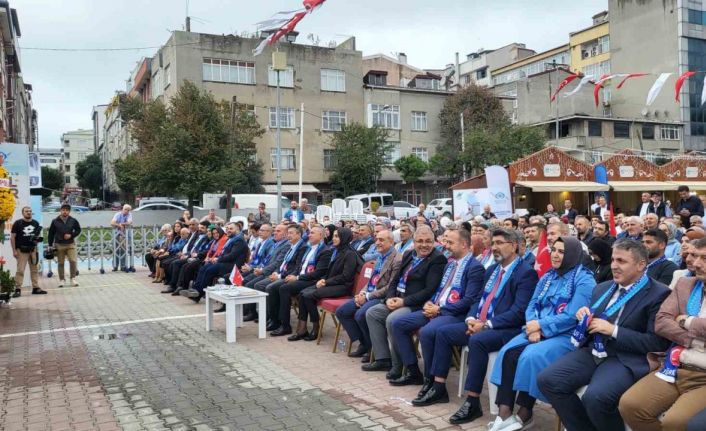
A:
(645, 112)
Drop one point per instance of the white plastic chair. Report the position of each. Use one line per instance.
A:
(339, 207)
(323, 211)
(355, 207)
(492, 389)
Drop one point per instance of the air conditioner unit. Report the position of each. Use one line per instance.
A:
(584, 54)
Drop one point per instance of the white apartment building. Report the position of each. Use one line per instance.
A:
(77, 145)
(51, 158)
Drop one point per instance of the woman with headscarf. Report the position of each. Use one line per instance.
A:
(328, 234)
(550, 318)
(337, 282)
(601, 252)
(673, 250)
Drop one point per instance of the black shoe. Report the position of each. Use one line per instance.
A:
(467, 413)
(359, 352)
(411, 376)
(428, 383)
(249, 317)
(272, 326)
(38, 291)
(190, 293)
(365, 358)
(177, 290)
(168, 290)
(314, 334)
(378, 365)
(297, 337)
(432, 396)
(394, 373)
(196, 300)
(281, 331)
(18, 293)
(220, 309)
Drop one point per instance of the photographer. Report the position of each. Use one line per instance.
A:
(26, 234)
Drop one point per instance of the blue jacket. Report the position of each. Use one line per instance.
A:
(289, 215)
(177, 246)
(470, 289)
(510, 306)
(278, 252)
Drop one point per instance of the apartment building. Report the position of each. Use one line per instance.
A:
(76, 146)
(478, 67)
(51, 158)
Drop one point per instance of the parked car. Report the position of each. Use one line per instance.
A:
(383, 199)
(116, 206)
(162, 200)
(441, 207)
(74, 209)
(163, 206)
(404, 210)
(96, 204)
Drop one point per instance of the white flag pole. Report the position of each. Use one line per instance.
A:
(301, 152)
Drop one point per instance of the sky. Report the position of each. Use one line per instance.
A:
(68, 84)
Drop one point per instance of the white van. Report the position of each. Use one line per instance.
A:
(383, 199)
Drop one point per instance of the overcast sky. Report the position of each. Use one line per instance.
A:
(68, 84)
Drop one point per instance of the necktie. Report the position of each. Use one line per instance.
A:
(447, 285)
(486, 305)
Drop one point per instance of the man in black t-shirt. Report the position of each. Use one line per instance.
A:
(25, 236)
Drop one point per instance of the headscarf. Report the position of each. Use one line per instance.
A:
(672, 230)
(344, 235)
(602, 249)
(573, 254)
(330, 228)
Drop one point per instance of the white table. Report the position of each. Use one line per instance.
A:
(234, 309)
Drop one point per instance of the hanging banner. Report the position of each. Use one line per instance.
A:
(469, 203)
(499, 196)
(15, 158)
(35, 171)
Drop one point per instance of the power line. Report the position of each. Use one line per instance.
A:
(33, 48)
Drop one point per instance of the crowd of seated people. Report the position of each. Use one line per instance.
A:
(607, 328)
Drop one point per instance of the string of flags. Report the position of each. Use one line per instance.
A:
(282, 23)
(651, 95)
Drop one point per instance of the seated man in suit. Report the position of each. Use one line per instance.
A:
(495, 317)
(196, 245)
(613, 338)
(459, 287)
(659, 268)
(678, 389)
(420, 273)
(352, 313)
(365, 239)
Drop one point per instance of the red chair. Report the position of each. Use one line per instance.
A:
(330, 305)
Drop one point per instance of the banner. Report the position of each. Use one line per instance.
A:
(15, 158)
(35, 171)
(469, 203)
(499, 197)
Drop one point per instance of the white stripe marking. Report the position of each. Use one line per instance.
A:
(101, 325)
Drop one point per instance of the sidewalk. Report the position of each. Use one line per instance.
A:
(114, 354)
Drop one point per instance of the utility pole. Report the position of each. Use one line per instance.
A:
(463, 145)
(301, 152)
(229, 187)
(279, 63)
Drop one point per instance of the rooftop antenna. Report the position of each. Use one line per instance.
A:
(188, 19)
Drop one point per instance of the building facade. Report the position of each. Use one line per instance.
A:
(76, 146)
(52, 158)
(478, 67)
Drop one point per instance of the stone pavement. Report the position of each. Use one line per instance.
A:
(114, 354)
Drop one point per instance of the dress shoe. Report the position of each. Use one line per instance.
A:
(428, 383)
(297, 336)
(378, 365)
(359, 352)
(220, 309)
(17, 293)
(314, 334)
(409, 377)
(394, 373)
(167, 290)
(281, 331)
(365, 358)
(272, 326)
(190, 293)
(38, 291)
(432, 396)
(249, 317)
(177, 290)
(468, 412)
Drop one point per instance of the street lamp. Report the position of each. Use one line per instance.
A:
(279, 63)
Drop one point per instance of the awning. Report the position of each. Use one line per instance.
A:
(563, 186)
(693, 185)
(641, 186)
(291, 188)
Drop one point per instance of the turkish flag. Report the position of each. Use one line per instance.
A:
(543, 263)
(611, 222)
(236, 278)
(563, 84)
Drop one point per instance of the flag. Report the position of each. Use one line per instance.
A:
(703, 92)
(680, 82)
(236, 278)
(599, 84)
(283, 23)
(543, 263)
(611, 221)
(657, 87)
(563, 84)
(583, 82)
(630, 75)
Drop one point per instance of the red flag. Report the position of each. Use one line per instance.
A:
(630, 75)
(563, 84)
(236, 278)
(680, 82)
(543, 263)
(283, 26)
(600, 82)
(611, 221)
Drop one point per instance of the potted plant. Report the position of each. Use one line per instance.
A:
(7, 282)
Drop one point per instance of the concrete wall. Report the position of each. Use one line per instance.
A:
(398, 73)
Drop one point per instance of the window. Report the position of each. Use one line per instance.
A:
(696, 17)
(412, 196)
(333, 120)
(333, 80)
(621, 129)
(419, 121)
(481, 73)
(157, 88)
(286, 118)
(288, 160)
(67, 156)
(696, 57)
(593, 157)
(67, 179)
(386, 116)
(595, 128)
(286, 77)
(250, 109)
(67, 168)
(393, 154)
(650, 157)
(669, 133)
(329, 160)
(421, 153)
(603, 44)
(236, 72)
(427, 84)
(377, 79)
(167, 77)
(648, 131)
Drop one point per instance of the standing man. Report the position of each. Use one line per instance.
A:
(294, 214)
(304, 206)
(262, 216)
(62, 232)
(487, 213)
(688, 206)
(212, 218)
(643, 208)
(26, 233)
(602, 209)
(657, 206)
(122, 227)
(569, 211)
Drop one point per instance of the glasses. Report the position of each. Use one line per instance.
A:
(500, 243)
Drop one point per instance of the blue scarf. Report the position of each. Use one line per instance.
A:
(581, 329)
(489, 287)
(309, 265)
(402, 284)
(486, 259)
(288, 257)
(262, 250)
(656, 262)
(401, 247)
(453, 294)
(668, 373)
(567, 290)
(379, 263)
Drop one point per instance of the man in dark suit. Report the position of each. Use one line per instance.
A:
(583, 227)
(657, 206)
(365, 239)
(643, 207)
(688, 206)
(601, 230)
(261, 273)
(419, 275)
(489, 329)
(569, 211)
(659, 268)
(613, 338)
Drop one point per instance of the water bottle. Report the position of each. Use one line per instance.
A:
(342, 345)
(221, 283)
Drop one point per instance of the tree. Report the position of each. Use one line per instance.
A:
(128, 174)
(411, 168)
(89, 173)
(359, 153)
(52, 180)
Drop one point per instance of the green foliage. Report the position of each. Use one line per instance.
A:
(7, 283)
(411, 168)
(51, 180)
(89, 173)
(499, 147)
(359, 152)
(128, 174)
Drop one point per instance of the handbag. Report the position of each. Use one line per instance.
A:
(49, 253)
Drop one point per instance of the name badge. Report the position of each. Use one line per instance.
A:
(368, 272)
